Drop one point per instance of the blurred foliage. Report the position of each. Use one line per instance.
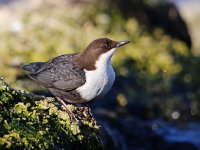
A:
(31, 122)
(165, 72)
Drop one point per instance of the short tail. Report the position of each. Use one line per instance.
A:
(32, 67)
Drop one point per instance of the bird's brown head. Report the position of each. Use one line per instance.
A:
(96, 48)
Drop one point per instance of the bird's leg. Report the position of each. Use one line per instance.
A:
(71, 114)
(89, 110)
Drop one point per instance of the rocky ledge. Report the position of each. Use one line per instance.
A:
(28, 121)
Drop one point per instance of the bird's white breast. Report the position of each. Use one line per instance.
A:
(98, 81)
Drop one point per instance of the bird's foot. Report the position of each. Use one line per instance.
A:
(86, 111)
(89, 112)
(72, 116)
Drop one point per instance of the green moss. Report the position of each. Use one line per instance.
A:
(27, 123)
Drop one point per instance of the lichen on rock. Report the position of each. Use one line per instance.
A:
(28, 121)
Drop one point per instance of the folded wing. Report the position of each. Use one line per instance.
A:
(58, 73)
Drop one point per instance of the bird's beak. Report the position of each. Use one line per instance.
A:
(121, 43)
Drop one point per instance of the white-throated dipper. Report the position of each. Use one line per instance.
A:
(78, 78)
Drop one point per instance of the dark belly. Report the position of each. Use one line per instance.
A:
(70, 96)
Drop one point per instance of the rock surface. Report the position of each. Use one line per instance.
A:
(32, 122)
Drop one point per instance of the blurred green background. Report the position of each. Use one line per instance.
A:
(157, 73)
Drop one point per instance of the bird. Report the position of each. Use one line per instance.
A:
(80, 77)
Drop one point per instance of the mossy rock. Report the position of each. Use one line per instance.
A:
(32, 122)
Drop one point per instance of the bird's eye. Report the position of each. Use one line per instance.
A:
(104, 46)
